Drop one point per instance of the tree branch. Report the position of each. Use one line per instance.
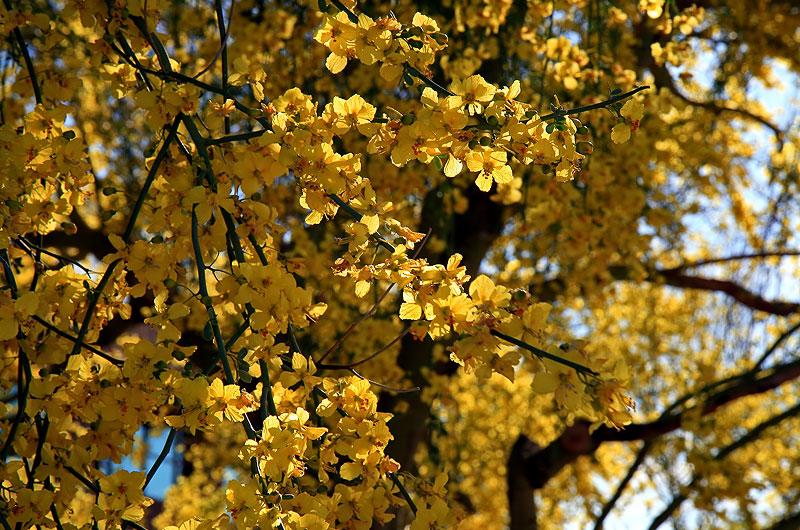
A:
(752, 435)
(643, 452)
(735, 257)
(520, 493)
(549, 290)
(664, 79)
(576, 439)
(676, 278)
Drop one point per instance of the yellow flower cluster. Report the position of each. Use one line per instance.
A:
(485, 316)
(482, 127)
(384, 40)
(204, 251)
(40, 160)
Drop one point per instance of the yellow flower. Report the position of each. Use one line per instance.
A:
(353, 112)
(621, 133)
(491, 165)
(487, 295)
(633, 110)
(122, 496)
(474, 92)
(653, 8)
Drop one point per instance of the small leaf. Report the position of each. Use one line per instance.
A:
(208, 333)
(440, 38)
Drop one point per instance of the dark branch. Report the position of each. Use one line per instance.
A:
(736, 257)
(676, 278)
(751, 436)
(550, 289)
(664, 79)
(576, 439)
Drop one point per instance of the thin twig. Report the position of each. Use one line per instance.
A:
(74, 340)
(164, 452)
(403, 492)
(94, 487)
(602, 104)
(29, 247)
(374, 308)
(735, 257)
(609, 505)
(751, 435)
(541, 353)
(663, 78)
(385, 387)
(224, 34)
(37, 91)
(369, 357)
(236, 137)
(160, 156)
(357, 216)
(350, 329)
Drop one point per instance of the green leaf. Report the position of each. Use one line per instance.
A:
(208, 333)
